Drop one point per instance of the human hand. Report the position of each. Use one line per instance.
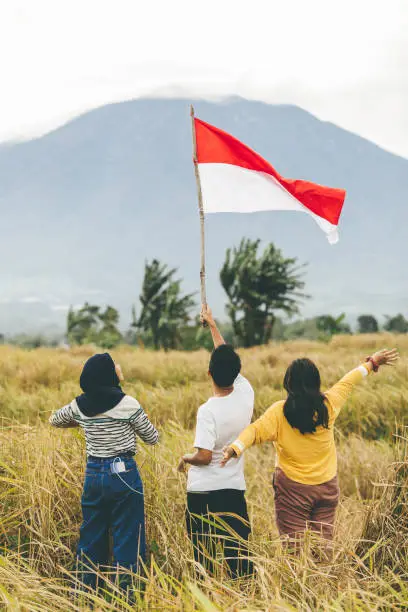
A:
(206, 316)
(181, 466)
(228, 453)
(385, 357)
(184, 462)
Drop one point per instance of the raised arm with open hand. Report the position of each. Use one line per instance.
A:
(339, 393)
(384, 357)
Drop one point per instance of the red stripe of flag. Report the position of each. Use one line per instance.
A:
(214, 146)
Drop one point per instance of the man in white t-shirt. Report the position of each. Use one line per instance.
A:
(211, 488)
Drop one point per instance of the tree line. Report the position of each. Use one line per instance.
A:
(260, 288)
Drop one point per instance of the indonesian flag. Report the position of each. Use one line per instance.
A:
(236, 179)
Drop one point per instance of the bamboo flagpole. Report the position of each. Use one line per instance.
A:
(201, 211)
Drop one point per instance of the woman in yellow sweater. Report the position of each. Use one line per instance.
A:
(301, 428)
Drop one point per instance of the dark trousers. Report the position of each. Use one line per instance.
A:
(299, 506)
(219, 519)
(111, 509)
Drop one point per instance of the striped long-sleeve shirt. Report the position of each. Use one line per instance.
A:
(113, 432)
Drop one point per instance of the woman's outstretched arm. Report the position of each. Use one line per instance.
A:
(337, 395)
(64, 417)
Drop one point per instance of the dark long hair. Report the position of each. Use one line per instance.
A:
(304, 408)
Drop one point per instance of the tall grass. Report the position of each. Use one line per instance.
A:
(41, 474)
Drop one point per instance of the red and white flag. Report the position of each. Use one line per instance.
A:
(236, 179)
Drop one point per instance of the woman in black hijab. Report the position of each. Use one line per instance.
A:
(100, 383)
(112, 500)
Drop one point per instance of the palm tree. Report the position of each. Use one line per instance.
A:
(174, 316)
(89, 324)
(258, 287)
(82, 324)
(164, 309)
(109, 335)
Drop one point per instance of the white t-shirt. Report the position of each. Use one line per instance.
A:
(219, 422)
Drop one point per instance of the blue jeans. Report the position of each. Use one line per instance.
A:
(109, 506)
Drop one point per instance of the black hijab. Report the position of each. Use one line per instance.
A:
(100, 385)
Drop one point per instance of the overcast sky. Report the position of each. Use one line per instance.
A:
(345, 61)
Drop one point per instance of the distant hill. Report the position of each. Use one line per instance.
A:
(84, 206)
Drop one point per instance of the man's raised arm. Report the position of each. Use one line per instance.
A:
(206, 316)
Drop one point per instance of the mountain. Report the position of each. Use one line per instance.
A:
(84, 206)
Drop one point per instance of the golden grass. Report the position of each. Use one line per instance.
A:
(41, 477)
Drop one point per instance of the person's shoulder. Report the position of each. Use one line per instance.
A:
(126, 408)
(242, 384)
(244, 392)
(276, 408)
(129, 400)
(209, 408)
(129, 404)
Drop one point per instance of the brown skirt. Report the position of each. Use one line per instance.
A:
(300, 506)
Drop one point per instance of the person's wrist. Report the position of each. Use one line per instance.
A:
(187, 458)
(234, 451)
(374, 363)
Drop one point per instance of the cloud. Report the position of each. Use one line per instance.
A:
(31, 299)
(344, 61)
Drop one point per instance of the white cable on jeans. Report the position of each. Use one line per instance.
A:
(124, 481)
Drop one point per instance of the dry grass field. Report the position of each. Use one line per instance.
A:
(41, 473)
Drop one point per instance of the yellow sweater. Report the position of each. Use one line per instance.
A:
(306, 458)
